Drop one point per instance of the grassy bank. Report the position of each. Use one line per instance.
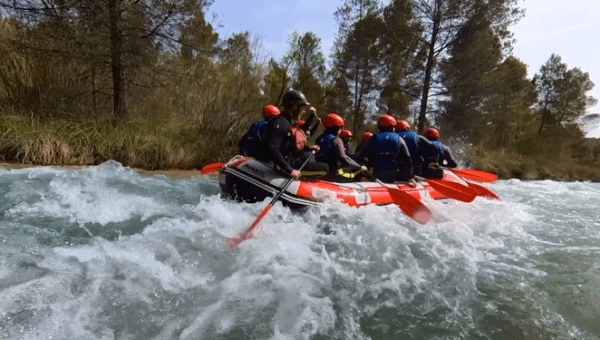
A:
(170, 144)
(560, 166)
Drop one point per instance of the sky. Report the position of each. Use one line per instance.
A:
(569, 29)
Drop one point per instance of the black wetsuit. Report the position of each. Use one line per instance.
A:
(278, 147)
(334, 154)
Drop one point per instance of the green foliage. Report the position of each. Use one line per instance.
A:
(276, 82)
(305, 55)
(402, 74)
(306, 63)
(362, 65)
(444, 24)
(562, 92)
(339, 98)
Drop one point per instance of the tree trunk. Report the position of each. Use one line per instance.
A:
(116, 40)
(542, 123)
(356, 92)
(429, 69)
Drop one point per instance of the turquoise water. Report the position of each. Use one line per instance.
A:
(107, 253)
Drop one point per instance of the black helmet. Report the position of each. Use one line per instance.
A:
(294, 97)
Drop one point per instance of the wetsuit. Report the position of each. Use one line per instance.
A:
(445, 156)
(430, 167)
(390, 157)
(361, 146)
(333, 153)
(279, 147)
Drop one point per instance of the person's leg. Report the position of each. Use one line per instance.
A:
(312, 168)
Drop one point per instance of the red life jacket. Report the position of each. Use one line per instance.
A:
(299, 137)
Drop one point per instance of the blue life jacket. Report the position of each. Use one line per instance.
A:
(386, 151)
(410, 138)
(249, 143)
(324, 143)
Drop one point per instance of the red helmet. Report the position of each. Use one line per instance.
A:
(299, 123)
(332, 119)
(387, 121)
(402, 125)
(367, 135)
(431, 133)
(345, 133)
(270, 111)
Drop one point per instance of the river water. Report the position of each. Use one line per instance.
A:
(107, 253)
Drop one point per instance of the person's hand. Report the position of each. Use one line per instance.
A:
(295, 173)
(363, 168)
(313, 111)
(315, 147)
(413, 183)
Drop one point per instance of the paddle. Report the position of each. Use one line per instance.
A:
(410, 205)
(212, 167)
(475, 175)
(233, 242)
(451, 189)
(483, 191)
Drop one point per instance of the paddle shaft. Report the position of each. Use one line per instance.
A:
(233, 242)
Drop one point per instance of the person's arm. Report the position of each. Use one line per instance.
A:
(345, 160)
(274, 136)
(310, 131)
(405, 169)
(448, 158)
(365, 151)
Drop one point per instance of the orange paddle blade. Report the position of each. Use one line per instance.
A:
(454, 190)
(483, 191)
(411, 206)
(475, 175)
(212, 167)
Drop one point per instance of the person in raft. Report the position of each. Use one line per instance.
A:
(283, 144)
(304, 128)
(417, 145)
(249, 142)
(388, 152)
(366, 135)
(332, 151)
(346, 136)
(440, 157)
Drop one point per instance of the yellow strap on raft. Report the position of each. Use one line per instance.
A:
(345, 174)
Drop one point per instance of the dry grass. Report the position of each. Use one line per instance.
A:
(71, 142)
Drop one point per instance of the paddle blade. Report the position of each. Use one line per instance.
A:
(212, 167)
(232, 242)
(453, 190)
(483, 191)
(411, 206)
(475, 175)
